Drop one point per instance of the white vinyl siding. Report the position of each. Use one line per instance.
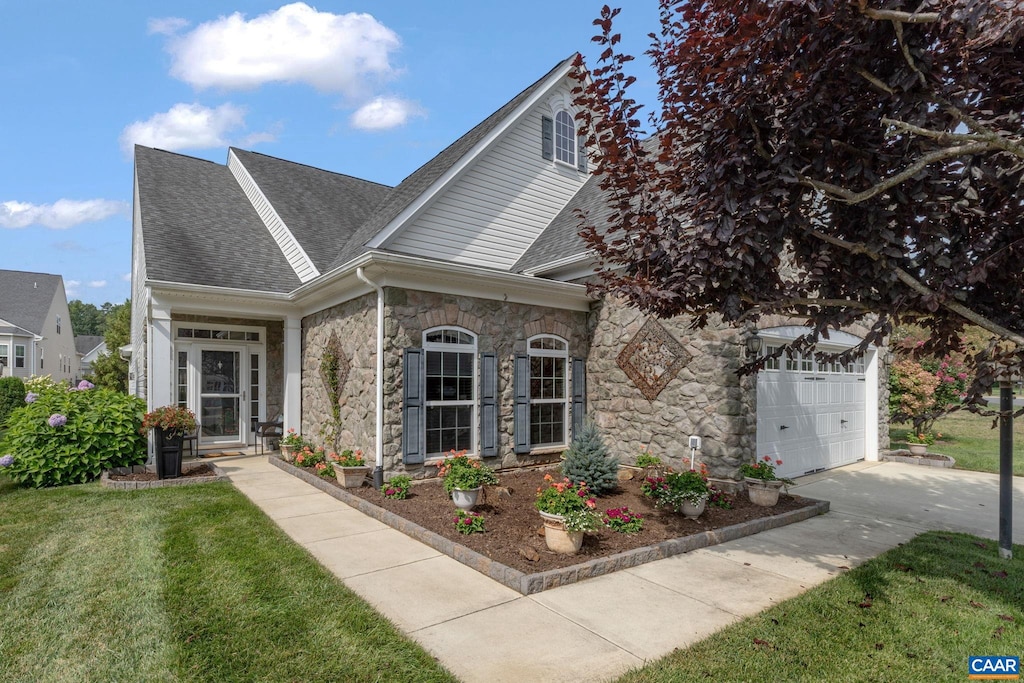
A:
(497, 208)
(290, 247)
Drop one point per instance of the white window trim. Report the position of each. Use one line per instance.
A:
(21, 355)
(473, 348)
(566, 399)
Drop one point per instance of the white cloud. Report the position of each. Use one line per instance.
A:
(97, 284)
(382, 113)
(166, 26)
(127, 277)
(188, 126)
(294, 44)
(71, 287)
(62, 214)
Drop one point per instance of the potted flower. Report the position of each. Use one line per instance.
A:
(919, 443)
(568, 510)
(350, 468)
(762, 483)
(463, 478)
(170, 425)
(686, 492)
(290, 444)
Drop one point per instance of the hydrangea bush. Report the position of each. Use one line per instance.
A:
(62, 436)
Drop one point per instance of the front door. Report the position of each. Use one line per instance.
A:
(221, 396)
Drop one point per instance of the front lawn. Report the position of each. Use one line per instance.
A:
(187, 583)
(915, 613)
(971, 441)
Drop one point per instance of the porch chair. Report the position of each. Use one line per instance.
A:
(267, 430)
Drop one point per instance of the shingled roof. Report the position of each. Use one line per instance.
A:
(561, 238)
(422, 178)
(26, 298)
(323, 210)
(198, 227)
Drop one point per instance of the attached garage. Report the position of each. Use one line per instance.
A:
(814, 415)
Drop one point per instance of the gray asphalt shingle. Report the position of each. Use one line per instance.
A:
(25, 298)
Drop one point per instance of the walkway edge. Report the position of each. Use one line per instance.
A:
(528, 584)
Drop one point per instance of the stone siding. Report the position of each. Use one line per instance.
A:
(355, 325)
(501, 327)
(706, 398)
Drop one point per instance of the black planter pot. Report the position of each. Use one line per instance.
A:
(168, 453)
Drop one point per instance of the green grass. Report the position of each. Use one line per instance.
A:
(178, 584)
(971, 441)
(933, 602)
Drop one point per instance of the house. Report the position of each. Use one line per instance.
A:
(35, 327)
(89, 347)
(449, 312)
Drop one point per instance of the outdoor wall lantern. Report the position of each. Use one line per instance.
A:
(753, 344)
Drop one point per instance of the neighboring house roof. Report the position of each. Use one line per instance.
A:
(26, 298)
(84, 343)
(198, 226)
(323, 210)
(426, 175)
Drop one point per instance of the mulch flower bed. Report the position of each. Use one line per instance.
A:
(514, 533)
(200, 471)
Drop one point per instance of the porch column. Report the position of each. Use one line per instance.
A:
(871, 407)
(293, 373)
(161, 358)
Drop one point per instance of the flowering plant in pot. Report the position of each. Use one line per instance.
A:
(463, 477)
(170, 424)
(350, 467)
(686, 492)
(763, 484)
(291, 443)
(568, 510)
(918, 443)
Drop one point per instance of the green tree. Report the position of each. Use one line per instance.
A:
(86, 318)
(110, 370)
(588, 460)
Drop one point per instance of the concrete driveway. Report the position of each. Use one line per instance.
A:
(600, 628)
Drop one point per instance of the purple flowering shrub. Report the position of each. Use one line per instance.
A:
(70, 437)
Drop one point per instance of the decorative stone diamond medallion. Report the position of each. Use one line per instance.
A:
(652, 358)
(334, 367)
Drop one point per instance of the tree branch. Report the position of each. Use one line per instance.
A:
(920, 288)
(875, 81)
(841, 193)
(904, 17)
(942, 137)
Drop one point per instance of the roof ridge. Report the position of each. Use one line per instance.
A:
(177, 154)
(315, 168)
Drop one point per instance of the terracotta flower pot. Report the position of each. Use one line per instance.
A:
(763, 493)
(556, 536)
(288, 453)
(694, 510)
(466, 499)
(351, 477)
(918, 448)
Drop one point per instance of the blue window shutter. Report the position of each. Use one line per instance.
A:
(579, 394)
(413, 407)
(547, 137)
(521, 417)
(581, 157)
(488, 405)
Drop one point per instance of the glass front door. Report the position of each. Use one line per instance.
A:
(221, 396)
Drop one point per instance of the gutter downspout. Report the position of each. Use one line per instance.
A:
(378, 471)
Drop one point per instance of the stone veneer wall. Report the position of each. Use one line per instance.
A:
(501, 327)
(355, 323)
(274, 353)
(706, 398)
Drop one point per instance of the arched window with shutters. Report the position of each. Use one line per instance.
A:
(450, 390)
(565, 138)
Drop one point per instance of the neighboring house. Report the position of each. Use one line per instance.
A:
(89, 348)
(449, 312)
(35, 326)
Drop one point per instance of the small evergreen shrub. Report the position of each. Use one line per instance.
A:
(588, 460)
(69, 436)
(12, 395)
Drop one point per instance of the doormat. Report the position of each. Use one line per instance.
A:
(222, 454)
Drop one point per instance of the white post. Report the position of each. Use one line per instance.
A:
(293, 373)
(161, 368)
(871, 408)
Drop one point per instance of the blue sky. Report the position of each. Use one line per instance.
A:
(371, 89)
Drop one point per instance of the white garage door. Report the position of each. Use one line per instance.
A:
(811, 415)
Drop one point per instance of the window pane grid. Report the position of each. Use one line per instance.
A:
(450, 384)
(565, 138)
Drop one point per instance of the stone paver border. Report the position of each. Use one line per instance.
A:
(109, 483)
(898, 456)
(528, 584)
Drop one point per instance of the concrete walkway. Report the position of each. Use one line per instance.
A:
(602, 627)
